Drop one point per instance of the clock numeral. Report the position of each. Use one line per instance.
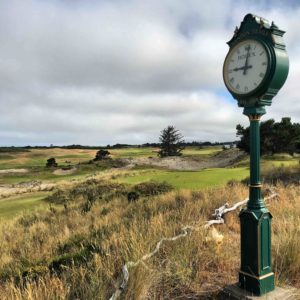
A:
(238, 51)
(261, 75)
(260, 54)
(237, 87)
(246, 89)
(231, 80)
(232, 60)
(264, 63)
(255, 83)
(230, 71)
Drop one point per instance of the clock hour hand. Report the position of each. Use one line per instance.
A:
(242, 68)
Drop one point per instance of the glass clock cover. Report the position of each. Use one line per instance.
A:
(245, 67)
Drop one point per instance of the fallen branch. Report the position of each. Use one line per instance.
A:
(218, 214)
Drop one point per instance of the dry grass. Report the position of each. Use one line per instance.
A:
(67, 254)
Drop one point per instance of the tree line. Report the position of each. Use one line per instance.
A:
(275, 137)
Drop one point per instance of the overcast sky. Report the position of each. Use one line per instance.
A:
(119, 71)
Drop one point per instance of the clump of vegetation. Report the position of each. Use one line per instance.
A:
(152, 188)
(148, 189)
(171, 142)
(90, 191)
(276, 137)
(279, 175)
(101, 154)
(51, 163)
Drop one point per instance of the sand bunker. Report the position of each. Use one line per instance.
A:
(64, 172)
(13, 171)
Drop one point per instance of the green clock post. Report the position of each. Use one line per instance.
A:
(254, 70)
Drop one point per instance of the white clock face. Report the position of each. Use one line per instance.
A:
(245, 67)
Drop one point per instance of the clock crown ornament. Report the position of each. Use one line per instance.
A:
(257, 63)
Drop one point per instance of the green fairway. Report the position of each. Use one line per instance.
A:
(153, 152)
(12, 206)
(133, 152)
(189, 179)
(200, 151)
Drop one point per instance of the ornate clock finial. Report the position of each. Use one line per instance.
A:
(261, 22)
(236, 30)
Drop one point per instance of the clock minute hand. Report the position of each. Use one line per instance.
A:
(246, 62)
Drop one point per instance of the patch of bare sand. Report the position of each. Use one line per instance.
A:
(13, 171)
(220, 160)
(8, 190)
(64, 171)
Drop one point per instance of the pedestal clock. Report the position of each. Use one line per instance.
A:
(254, 70)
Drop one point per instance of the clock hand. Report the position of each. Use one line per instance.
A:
(242, 68)
(246, 62)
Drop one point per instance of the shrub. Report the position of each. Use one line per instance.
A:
(279, 175)
(58, 197)
(101, 154)
(152, 188)
(51, 163)
(89, 191)
(132, 196)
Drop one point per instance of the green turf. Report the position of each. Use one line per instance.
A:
(152, 152)
(133, 152)
(201, 151)
(13, 206)
(285, 163)
(188, 179)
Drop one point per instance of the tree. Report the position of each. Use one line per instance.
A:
(51, 162)
(283, 136)
(171, 142)
(101, 154)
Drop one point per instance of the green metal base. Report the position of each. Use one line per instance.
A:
(256, 275)
(257, 285)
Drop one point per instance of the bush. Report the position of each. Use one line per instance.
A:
(58, 197)
(101, 154)
(280, 175)
(152, 188)
(132, 196)
(89, 191)
(51, 163)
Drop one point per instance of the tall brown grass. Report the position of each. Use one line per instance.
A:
(68, 254)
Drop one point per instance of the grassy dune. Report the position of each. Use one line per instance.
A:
(68, 254)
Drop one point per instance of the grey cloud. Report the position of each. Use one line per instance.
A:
(97, 72)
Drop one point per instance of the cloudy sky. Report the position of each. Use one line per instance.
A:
(118, 71)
